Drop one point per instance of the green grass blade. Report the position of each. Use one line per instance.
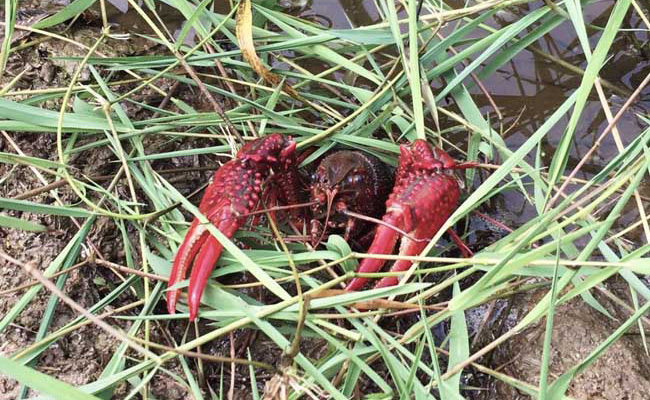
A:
(591, 73)
(17, 223)
(36, 208)
(458, 347)
(42, 382)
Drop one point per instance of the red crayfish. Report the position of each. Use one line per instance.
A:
(345, 184)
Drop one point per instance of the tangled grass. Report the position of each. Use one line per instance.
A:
(368, 88)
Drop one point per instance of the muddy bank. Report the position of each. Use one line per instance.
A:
(622, 372)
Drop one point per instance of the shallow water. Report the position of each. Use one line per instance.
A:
(530, 87)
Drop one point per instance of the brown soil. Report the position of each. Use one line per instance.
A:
(78, 357)
(622, 372)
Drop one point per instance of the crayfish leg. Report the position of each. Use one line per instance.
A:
(195, 237)
(464, 249)
(413, 248)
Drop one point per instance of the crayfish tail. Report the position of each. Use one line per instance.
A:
(194, 238)
(383, 243)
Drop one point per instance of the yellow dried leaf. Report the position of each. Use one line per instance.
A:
(372, 304)
(244, 32)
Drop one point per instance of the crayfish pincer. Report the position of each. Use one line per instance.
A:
(425, 193)
(235, 191)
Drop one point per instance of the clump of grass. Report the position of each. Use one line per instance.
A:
(384, 99)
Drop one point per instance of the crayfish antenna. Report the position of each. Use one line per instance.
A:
(194, 239)
(466, 165)
(383, 243)
(330, 199)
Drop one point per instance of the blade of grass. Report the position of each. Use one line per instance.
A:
(591, 73)
(17, 223)
(42, 382)
(548, 334)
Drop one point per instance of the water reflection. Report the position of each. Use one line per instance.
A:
(532, 85)
(340, 14)
(360, 13)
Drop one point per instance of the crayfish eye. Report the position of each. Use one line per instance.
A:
(314, 177)
(353, 179)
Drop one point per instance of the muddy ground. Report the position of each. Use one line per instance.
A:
(622, 372)
(80, 357)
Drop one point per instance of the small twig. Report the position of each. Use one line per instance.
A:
(417, 14)
(217, 108)
(515, 122)
(231, 390)
(622, 303)
(199, 364)
(132, 271)
(302, 316)
(34, 283)
(167, 98)
(342, 374)
(635, 225)
(556, 9)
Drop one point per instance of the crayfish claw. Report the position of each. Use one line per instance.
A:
(203, 249)
(205, 260)
(234, 193)
(424, 196)
(383, 243)
(204, 264)
(194, 238)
